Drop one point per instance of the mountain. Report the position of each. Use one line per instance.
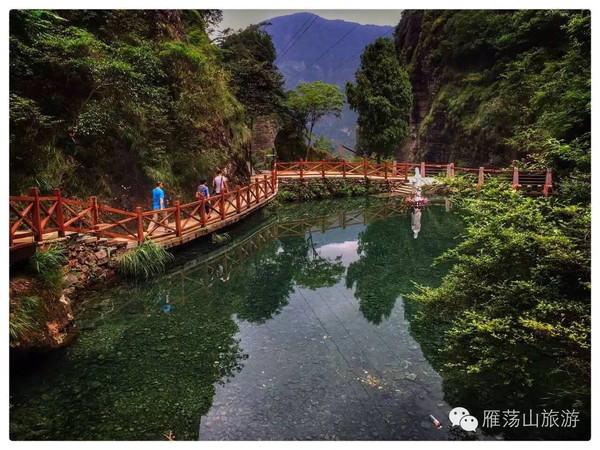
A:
(311, 48)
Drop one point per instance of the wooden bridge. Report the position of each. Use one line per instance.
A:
(36, 218)
(534, 181)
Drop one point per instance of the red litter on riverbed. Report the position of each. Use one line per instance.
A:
(436, 422)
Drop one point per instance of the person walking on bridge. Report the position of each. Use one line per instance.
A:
(158, 203)
(220, 183)
(203, 192)
(220, 186)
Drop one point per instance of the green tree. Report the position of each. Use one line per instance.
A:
(515, 308)
(382, 96)
(322, 143)
(249, 55)
(314, 101)
(106, 102)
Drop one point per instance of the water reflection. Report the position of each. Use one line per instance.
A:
(415, 220)
(149, 356)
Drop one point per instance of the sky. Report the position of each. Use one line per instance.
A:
(236, 19)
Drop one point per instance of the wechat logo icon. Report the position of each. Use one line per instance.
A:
(460, 417)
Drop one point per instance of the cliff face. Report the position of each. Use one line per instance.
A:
(414, 45)
(107, 102)
(493, 86)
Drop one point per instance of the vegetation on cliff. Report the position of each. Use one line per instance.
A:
(249, 55)
(493, 86)
(107, 102)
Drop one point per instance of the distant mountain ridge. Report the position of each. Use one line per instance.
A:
(311, 48)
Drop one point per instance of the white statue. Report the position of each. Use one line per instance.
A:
(417, 183)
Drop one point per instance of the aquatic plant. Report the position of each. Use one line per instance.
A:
(25, 318)
(47, 264)
(144, 261)
(220, 238)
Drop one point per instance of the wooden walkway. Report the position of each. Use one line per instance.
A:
(534, 181)
(36, 219)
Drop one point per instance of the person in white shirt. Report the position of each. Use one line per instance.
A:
(219, 183)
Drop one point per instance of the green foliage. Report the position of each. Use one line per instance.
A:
(249, 56)
(311, 102)
(48, 264)
(220, 238)
(324, 145)
(25, 318)
(513, 83)
(516, 299)
(104, 102)
(382, 96)
(145, 261)
(327, 188)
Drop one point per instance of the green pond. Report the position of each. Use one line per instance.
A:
(294, 329)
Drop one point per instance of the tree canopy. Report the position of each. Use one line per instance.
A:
(249, 56)
(382, 96)
(312, 102)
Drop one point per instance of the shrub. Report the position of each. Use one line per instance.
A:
(48, 265)
(25, 318)
(220, 238)
(144, 261)
(516, 299)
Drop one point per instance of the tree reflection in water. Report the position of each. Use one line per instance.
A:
(392, 260)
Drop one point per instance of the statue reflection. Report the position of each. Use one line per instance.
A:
(415, 220)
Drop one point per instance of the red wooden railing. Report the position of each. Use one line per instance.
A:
(42, 217)
(49, 217)
(535, 181)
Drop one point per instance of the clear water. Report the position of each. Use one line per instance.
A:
(296, 329)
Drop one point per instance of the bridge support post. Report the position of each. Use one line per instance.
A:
(257, 190)
(343, 168)
(405, 171)
(480, 178)
(222, 205)
(385, 170)
(515, 182)
(36, 218)
(301, 168)
(60, 217)
(203, 211)
(140, 224)
(394, 168)
(265, 185)
(322, 169)
(365, 167)
(423, 169)
(94, 214)
(238, 200)
(548, 182)
(177, 218)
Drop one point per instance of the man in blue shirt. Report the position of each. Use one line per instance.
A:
(158, 202)
(203, 192)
